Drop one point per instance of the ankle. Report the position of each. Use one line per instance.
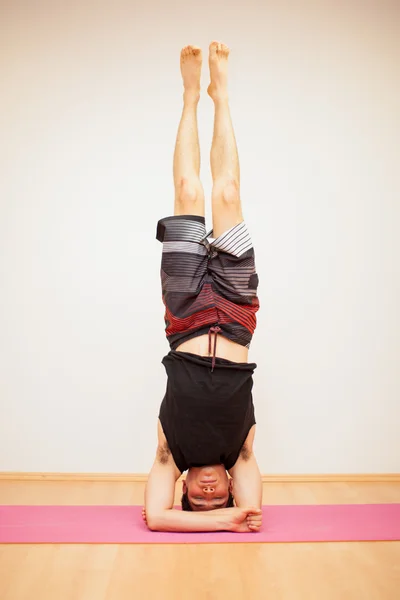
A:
(191, 96)
(219, 94)
(220, 98)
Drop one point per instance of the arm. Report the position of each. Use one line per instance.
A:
(247, 484)
(160, 487)
(159, 500)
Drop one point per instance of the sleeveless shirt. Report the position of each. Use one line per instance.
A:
(206, 414)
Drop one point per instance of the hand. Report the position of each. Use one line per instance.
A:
(244, 520)
(254, 521)
(144, 515)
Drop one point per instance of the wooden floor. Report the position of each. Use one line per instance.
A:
(328, 571)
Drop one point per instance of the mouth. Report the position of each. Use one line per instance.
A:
(208, 481)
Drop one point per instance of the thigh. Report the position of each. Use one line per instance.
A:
(233, 265)
(225, 218)
(184, 255)
(226, 206)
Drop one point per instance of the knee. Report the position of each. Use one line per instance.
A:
(227, 191)
(188, 195)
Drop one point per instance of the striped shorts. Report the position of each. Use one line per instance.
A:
(207, 283)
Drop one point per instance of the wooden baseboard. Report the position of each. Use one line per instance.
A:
(142, 478)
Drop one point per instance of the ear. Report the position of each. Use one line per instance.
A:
(231, 486)
(184, 487)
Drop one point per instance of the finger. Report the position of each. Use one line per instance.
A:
(254, 518)
(255, 523)
(254, 511)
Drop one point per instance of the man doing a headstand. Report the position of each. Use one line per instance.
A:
(209, 287)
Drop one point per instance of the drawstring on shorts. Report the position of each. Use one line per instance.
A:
(215, 330)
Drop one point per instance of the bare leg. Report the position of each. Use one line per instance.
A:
(226, 205)
(189, 195)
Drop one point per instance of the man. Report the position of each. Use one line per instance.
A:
(209, 284)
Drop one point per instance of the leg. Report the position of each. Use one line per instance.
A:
(226, 206)
(189, 195)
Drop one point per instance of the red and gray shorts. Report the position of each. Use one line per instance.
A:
(208, 285)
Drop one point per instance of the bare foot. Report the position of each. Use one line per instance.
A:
(191, 60)
(218, 60)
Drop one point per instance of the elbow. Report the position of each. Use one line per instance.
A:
(153, 522)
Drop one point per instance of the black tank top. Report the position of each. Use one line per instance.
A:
(206, 414)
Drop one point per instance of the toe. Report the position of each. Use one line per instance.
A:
(190, 51)
(219, 49)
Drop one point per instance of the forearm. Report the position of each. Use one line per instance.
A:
(179, 520)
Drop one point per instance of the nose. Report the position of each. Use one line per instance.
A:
(208, 489)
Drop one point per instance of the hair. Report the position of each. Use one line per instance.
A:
(186, 504)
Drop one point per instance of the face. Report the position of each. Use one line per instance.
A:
(207, 487)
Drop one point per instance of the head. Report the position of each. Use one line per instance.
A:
(207, 488)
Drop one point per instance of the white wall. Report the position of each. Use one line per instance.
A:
(91, 98)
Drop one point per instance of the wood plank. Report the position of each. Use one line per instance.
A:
(257, 571)
(142, 477)
(97, 492)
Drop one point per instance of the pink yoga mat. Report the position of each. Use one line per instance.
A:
(123, 524)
